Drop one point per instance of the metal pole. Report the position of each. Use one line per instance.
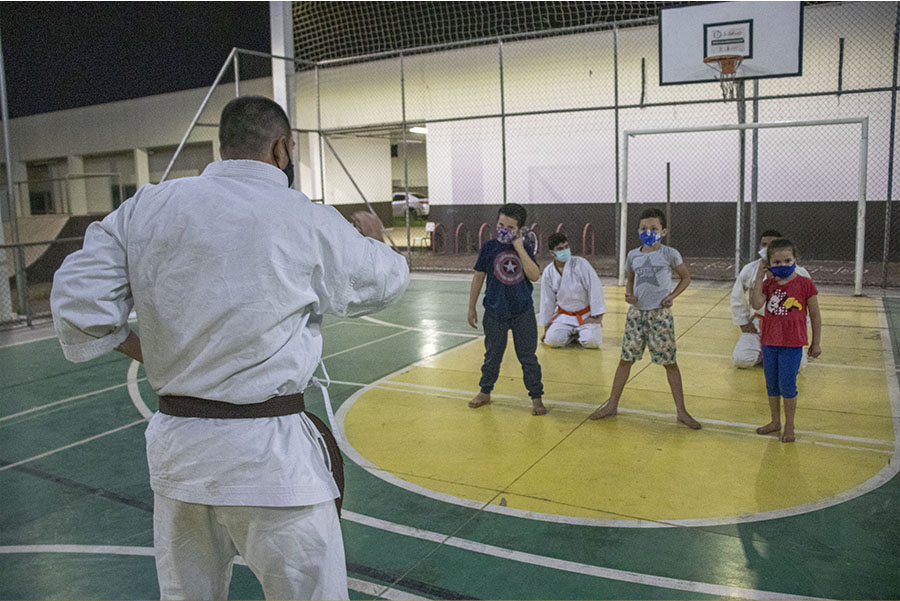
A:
(405, 160)
(742, 158)
(669, 201)
(623, 212)
(754, 175)
(11, 195)
(618, 218)
(890, 179)
(359, 190)
(212, 88)
(861, 208)
(502, 115)
(321, 147)
(237, 77)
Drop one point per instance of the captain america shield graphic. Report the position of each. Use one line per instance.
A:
(508, 268)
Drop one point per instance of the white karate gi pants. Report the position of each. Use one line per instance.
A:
(590, 335)
(295, 552)
(748, 350)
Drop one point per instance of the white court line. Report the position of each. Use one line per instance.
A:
(29, 341)
(363, 345)
(60, 402)
(813, 363)
(461, 393)
(571, 566)
(354, 584)
(69, 446)
(426, 330)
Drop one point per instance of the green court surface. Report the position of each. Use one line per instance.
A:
(447, 502)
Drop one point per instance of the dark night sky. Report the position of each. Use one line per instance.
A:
(61, 55)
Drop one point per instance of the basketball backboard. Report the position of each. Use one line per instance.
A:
(767, 35)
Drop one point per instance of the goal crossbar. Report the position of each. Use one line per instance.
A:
(863, 122)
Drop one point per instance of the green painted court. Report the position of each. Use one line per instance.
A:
(446, 502)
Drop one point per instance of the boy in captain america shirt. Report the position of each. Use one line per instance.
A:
(509, 268)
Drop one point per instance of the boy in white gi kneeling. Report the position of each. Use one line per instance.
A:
(572, 304)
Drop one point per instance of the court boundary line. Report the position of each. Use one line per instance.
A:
(355, 584)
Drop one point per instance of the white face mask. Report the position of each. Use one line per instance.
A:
(763, 253)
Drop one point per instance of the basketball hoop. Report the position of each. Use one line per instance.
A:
(726, 65)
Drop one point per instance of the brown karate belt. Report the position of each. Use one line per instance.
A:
(188, 406)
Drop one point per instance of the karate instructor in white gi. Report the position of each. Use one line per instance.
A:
(230, 273)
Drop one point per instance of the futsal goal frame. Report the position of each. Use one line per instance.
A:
(863, 123)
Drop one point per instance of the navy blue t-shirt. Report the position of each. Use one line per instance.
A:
(508, 292)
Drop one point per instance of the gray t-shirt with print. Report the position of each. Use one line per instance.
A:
(652, 274)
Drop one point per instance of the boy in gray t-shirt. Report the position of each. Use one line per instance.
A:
(649, 322)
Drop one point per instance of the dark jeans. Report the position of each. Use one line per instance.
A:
(525, 339)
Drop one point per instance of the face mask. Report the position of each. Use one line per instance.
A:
(763, 253)
(563, 255)
(504, 235)
(649, 238)
(289, 169)
(782, 271)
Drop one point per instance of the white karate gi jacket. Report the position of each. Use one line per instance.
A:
(230, 274)
(577, 287)
(741, 311)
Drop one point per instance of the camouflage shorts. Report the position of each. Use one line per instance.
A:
(655, 329)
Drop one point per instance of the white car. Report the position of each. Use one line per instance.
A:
(416, 204)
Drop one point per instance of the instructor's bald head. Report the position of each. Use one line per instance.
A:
(250, 128)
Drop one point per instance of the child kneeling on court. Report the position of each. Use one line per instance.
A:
(509, 267)
(788, 297)
(649, 321)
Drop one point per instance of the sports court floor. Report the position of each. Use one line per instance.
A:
(447, 502)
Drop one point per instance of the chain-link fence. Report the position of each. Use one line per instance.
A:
(538, 119)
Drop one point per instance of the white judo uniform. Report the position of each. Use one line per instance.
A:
(230, 273)
(747, 351)
(576, 289)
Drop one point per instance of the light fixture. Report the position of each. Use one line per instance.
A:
(418, 130)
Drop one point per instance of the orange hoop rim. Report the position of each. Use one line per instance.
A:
(726, 64)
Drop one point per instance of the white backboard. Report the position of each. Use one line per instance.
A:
(769, 35)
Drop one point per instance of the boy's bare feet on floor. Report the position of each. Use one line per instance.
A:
(605, 410)
(479, 400)
(689, 421)
(787, 435)
(769, 428)
(537, 407)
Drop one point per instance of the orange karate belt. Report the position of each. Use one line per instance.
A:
(579, 314)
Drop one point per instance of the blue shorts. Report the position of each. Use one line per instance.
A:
(781, 364)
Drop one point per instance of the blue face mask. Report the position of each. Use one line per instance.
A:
(782, 271)
(504, 235)
(649, 238)
(563, 255)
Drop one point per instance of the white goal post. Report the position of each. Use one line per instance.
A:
(863, 122)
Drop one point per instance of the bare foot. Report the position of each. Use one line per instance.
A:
(605, 410)
(479, 400)
(689, 421)
(537, 407)
(769, 428)
(788, 435)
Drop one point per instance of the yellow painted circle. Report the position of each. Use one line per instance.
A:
(641, 465)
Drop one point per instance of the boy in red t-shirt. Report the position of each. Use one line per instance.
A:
(787, 297)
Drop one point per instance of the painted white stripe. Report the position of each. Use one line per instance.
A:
(380, 591)
(355, 584)
(365, 344)
(571, 566)
(74, 444)
(60, 402)
(135, 393)
(29, 341)
(812, 363)
(466, 394)
(426, 330)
